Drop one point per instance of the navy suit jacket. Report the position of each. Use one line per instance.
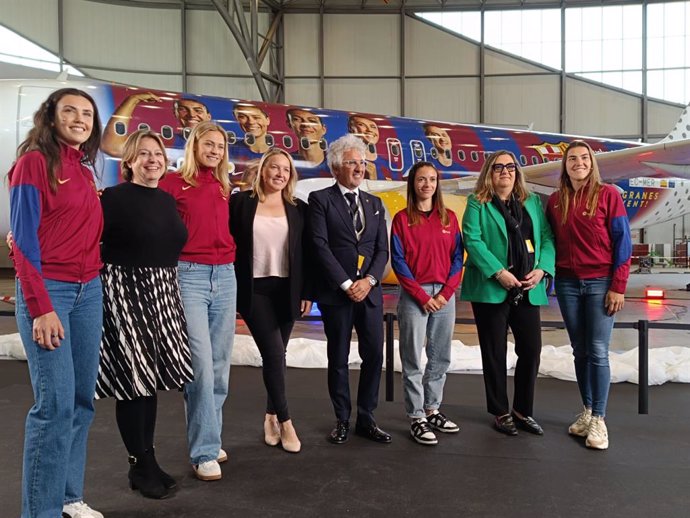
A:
(337, 249)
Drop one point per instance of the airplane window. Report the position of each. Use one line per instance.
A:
(461, 155)
(535, 160)
(323, 144)
(418, 152)
(395, 150)
(447, 153)
(186, 132)
(434, 153)
(270, 141)
(304, 143)
(475, 156)
(287, 141)
(232, 138)
(144, 126)
(120, 128)
(372, 148)
(249, 139)
(523, 159)
(167, 132)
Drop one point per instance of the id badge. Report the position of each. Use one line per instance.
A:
(530, 247)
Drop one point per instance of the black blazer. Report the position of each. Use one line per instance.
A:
(336, 247)
(242, 211)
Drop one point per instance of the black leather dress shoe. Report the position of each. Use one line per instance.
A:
(373, 433)
(528, 424)
(339, 433)
(505, 424)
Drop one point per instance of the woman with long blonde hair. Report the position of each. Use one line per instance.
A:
(268, 224)
(206, 272)
(593, 249)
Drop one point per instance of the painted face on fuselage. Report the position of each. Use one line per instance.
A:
(73, 123)
(351, 171)
(275, 173)
(149, 163)
(425, 183)
(252, 120)
(364, 128)
(578, 165)
(210, 149)
(306, 124)
(190, 113)
(502, 178)
(438, 137)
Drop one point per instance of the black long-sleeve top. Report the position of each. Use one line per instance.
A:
(142, 227)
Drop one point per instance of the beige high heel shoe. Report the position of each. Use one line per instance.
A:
(288, 437)
(271, 430)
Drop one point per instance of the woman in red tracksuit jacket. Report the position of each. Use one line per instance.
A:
(593, 249)
(56, 222)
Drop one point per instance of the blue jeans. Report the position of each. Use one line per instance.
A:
(64, 382)
(208, 296)
(589, 327)
(424, 389)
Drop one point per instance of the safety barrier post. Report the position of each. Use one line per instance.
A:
(389, 319)
(643, 367)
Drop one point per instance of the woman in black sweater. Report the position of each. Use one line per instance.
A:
(145, 346)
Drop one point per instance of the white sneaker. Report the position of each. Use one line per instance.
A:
(222, 456)
(581, 426)
(79, 510)
(421, 432)
(209, 470)
(598, 436)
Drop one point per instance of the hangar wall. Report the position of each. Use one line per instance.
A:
(383, 63)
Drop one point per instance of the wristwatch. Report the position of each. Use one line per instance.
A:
(372, 281)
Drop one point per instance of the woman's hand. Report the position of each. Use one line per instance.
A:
(507, 280)
(614, 302)
(305, 307)
(48, 331)
(532, 279)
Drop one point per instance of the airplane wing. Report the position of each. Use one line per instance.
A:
(664, 159)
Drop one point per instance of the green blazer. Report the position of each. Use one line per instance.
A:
(485, 238)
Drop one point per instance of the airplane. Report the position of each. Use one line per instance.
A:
(654, 180)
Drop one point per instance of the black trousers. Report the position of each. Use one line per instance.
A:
(492, 322)
(270, 323)
(338, 321)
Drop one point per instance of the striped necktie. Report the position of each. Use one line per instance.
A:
(354, 212)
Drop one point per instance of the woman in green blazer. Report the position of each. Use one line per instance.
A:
(510, 251)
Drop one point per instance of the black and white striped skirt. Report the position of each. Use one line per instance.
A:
(145, 347)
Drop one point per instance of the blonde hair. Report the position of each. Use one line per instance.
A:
(190, 169)
(129, 151)
(288, 193)
(484, 189)
(413, 213)
(592, 185)
(250, 170)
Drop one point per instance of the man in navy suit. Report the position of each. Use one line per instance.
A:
(351, 248)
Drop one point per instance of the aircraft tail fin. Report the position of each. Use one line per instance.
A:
(681, 131)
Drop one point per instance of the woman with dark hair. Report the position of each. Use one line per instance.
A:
(206, 274)
(426, 255)
(509, 252)
(145, 346)
(267, 223)
(56, 222)
(593, 249)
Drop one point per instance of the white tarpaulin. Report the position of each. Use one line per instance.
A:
(665, 363)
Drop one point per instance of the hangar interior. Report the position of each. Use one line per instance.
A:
(372, 56)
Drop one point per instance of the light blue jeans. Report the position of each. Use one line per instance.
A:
(208, 294)
(64, 382)
(424, 388)
(589, 328)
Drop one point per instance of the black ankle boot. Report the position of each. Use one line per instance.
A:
(144, 476)
(166, 479)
